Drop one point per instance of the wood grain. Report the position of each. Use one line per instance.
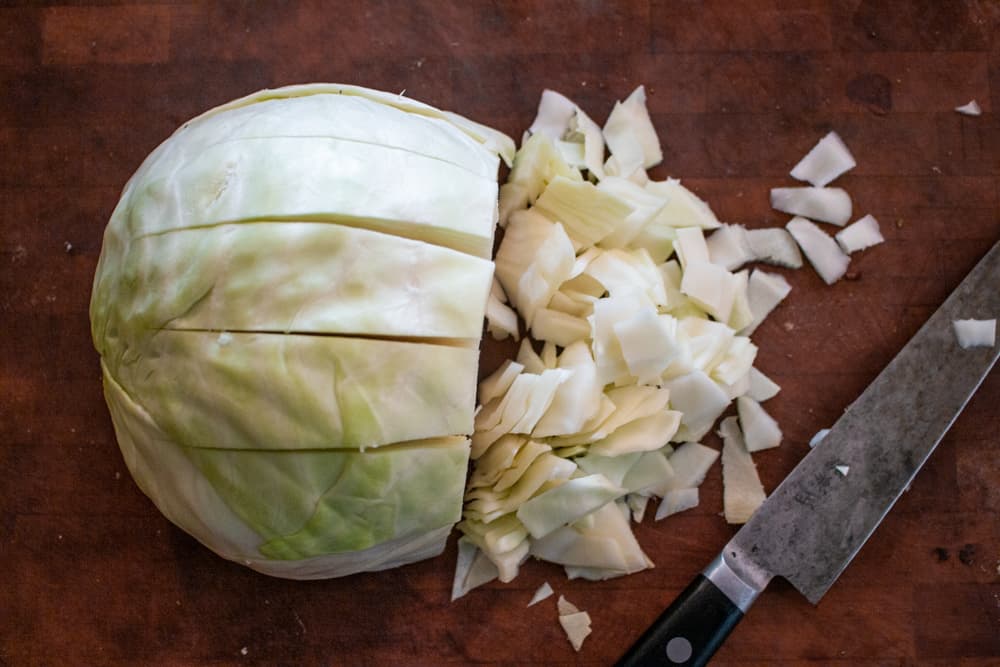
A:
(738, 89)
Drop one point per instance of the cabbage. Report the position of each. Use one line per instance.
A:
(288, 307)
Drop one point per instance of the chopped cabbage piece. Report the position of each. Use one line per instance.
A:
(630, 135)
(764, 292)
(554, 114)
(678, 500)
(729, 247)
(970, 109)
(587, 213)
(472, 569)
(827, 160)
(818, 437)
(820, 248)
(711, 287)
(861, 234)
(774, 245)
(700, 400)
(566, 503)
(683, 207)
(761, 387)
(831, 205)
(975, 333)
(690, 463)
(742, 491)
(760, 430)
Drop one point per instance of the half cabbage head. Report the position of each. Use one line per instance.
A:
(288, 307)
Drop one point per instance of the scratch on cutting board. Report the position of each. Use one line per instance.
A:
(299, 621)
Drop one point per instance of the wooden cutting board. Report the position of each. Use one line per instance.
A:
(91, 574)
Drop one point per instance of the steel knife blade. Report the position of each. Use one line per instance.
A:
(814, 523)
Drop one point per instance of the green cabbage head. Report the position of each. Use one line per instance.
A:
(288, 307)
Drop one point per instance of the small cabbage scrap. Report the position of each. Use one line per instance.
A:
(975, 333)
(544, 592)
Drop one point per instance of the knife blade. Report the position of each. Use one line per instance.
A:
(814, 523)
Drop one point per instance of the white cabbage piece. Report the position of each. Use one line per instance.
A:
(972, 108)
(613, 468)
(566, 503)
(701, 401)
(762, 387)
(544, 592)
(649, 472)
(602, 543)
(472, 569)
(734, 368)
(831, 205)
(582, 127)
(820, 249)
(577, 399)
(637, 504)
(774, 245)
(562, 329)
(975, 333)
(501, 320)
(497, 383)
(827, 160)
(860, 234)
(764, 292)
(649, 344)
(554, 114)
(630, 135)
(587, 213)
(640, 435)
(623, 272)
(741, 315)
(818, 437)
(645, 206)
(498, 459)
(690, 246)
(676, 501)
(531, 360)
(577, 628)
(536, 164)
(729, 247)
(742, 491)
(690, 462)
(533, 260)
(683, 208)
(711, 287)
(760, 430)
(611, 364)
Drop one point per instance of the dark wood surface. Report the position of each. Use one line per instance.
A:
(91, 574)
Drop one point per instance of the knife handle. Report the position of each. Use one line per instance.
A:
(692, 629)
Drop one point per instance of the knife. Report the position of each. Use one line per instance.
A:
(817, 519)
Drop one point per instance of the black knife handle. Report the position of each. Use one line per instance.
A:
(689, 632)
